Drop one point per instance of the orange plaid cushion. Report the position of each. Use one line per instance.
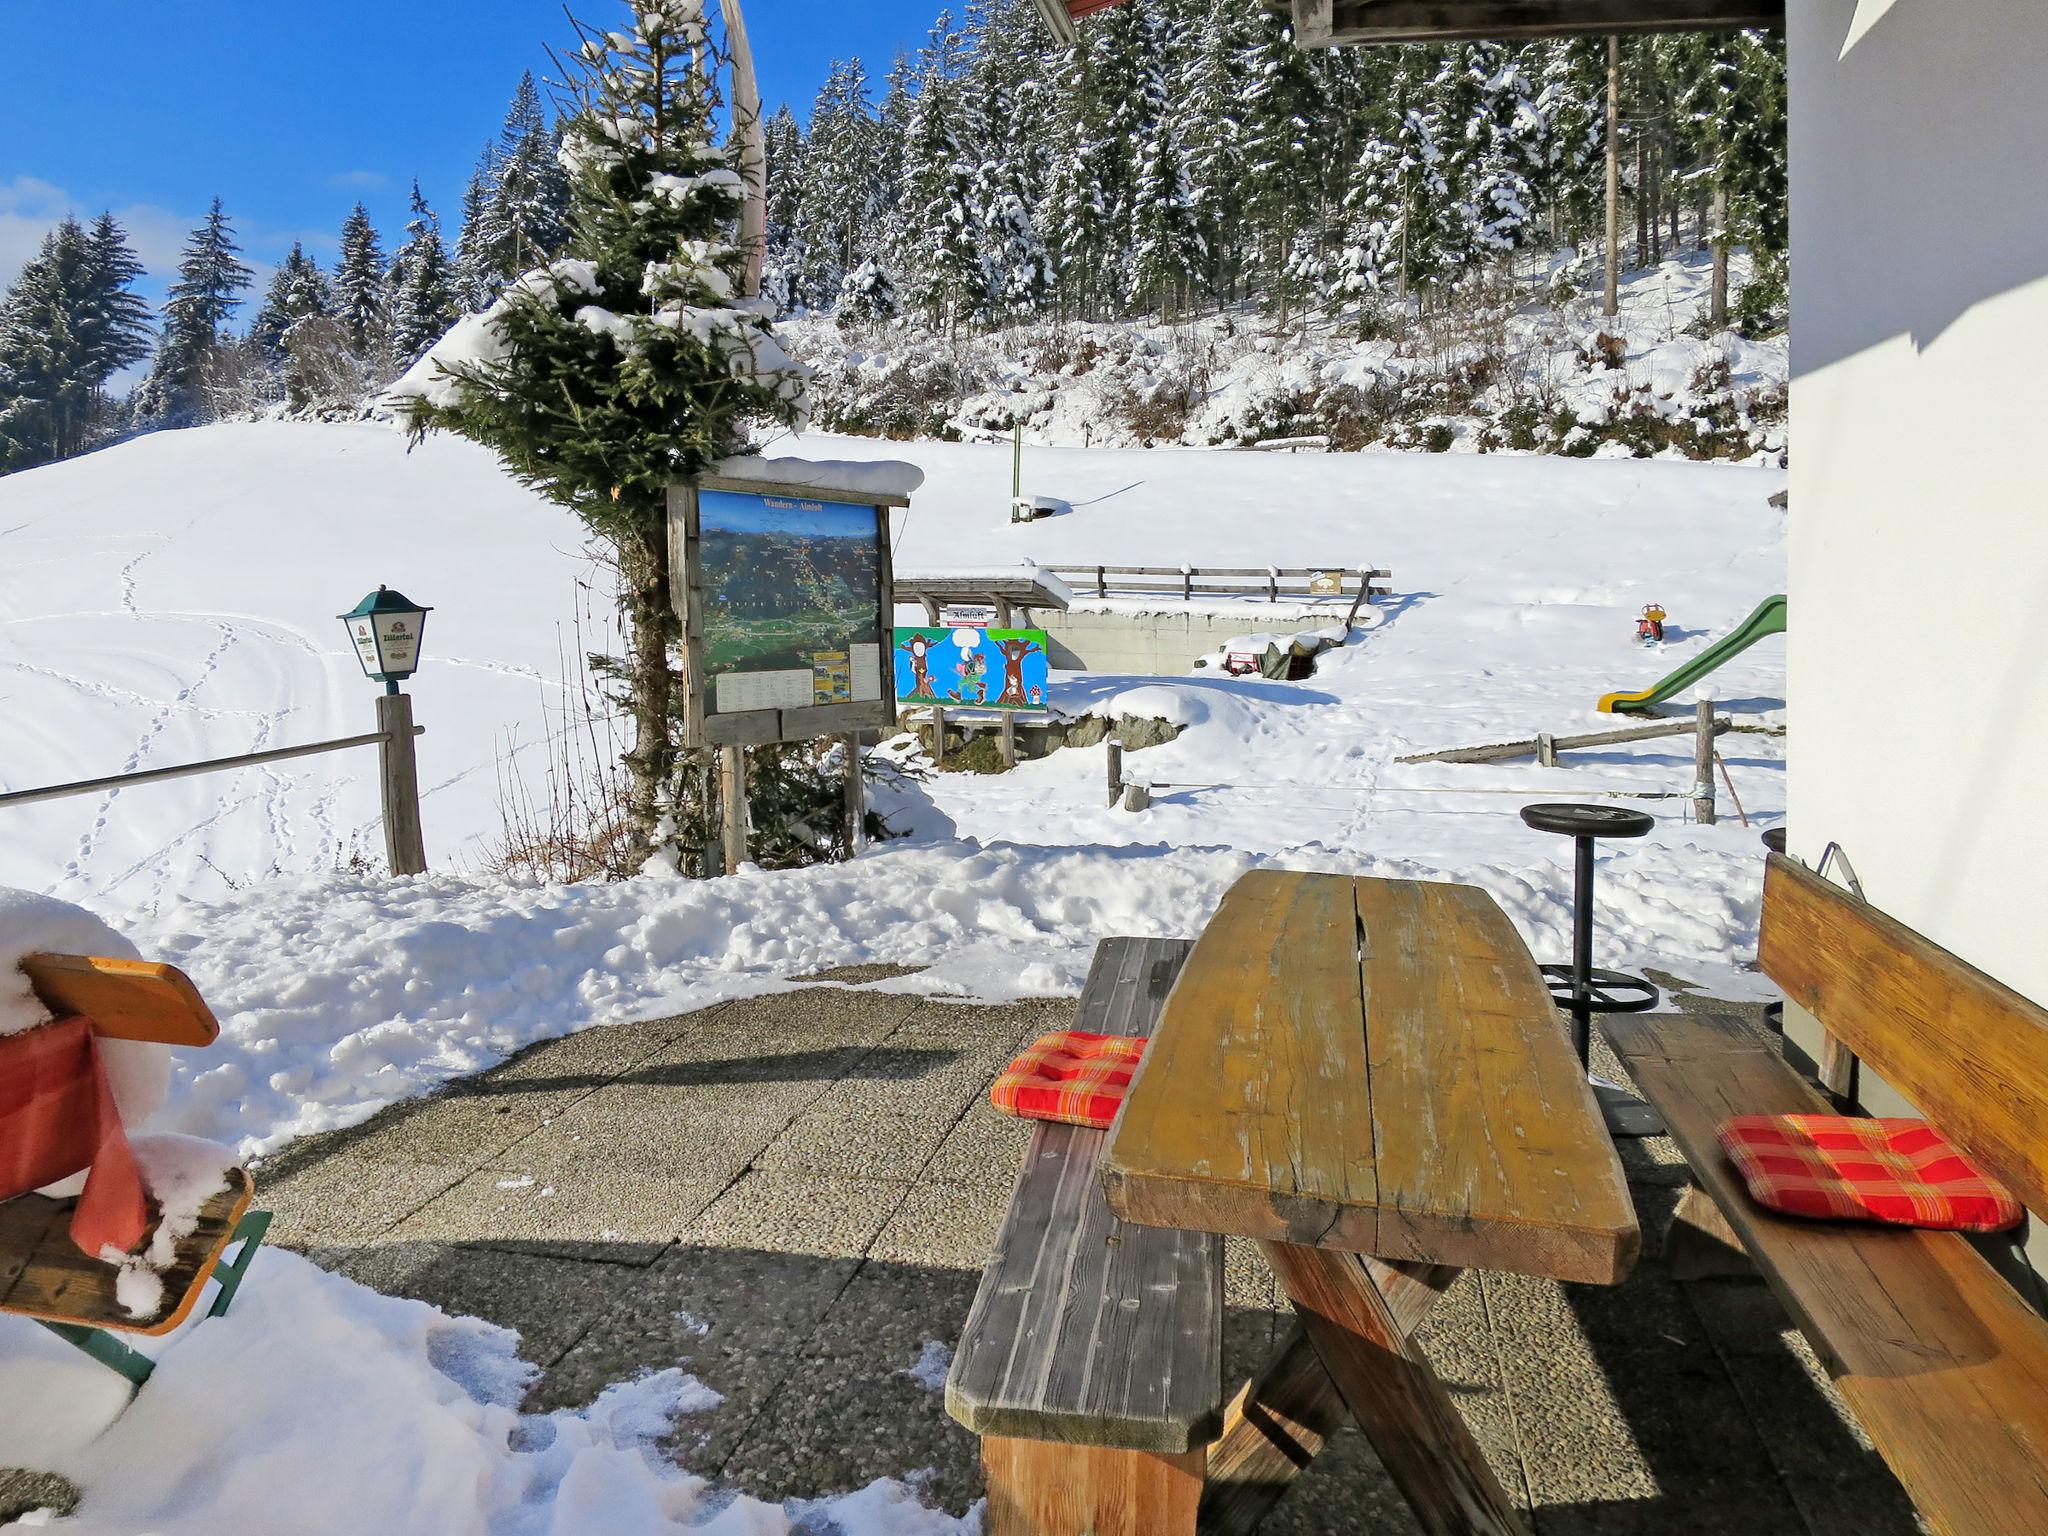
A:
(1071, 1076)
(1836, 1168)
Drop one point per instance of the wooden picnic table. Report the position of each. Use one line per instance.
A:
(1369, 1077)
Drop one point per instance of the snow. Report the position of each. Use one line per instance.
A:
(315, 1400)
(175, 593)
(38, 925)
(934, 1361)
(877, 477)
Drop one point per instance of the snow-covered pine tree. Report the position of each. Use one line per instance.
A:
(1285, 126)
(1571, 102)
(46, 378)
(528, 193)
(1498, 148)
(359, 287)
(942, 225)
(1019, 271)
(419, 296)
(782, 279)
(298, 291)
(602, 377)
(1085, 164)
(1168, 251)
(472, 278)
(211, 280)
(115, 327)
(867, 297)
(1212, 88)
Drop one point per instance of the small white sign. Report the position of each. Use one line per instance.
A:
(741, 692)
(967, 616)
(866, 661)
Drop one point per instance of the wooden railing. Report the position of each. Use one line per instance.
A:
(1189, 582)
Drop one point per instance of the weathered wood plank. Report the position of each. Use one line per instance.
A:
(1905, 1005)
(1252, 1113)
(1939, 1358)
(1041, 1489)
(1490, 1148)
(42, 1273)
(125, 999)
(1415, 1428)
(1085, 1330)
(1372, 1066)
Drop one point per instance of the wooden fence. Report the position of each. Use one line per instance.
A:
(1188, 582)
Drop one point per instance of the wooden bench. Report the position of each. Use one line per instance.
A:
(1092, 1361)
(43, 1275)
(1938, 1357)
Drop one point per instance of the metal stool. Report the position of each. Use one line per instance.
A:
(1579, 988)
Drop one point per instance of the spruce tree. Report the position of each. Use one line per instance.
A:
(46, 378)
(1168, 251)
(419, 295)
(601, 378)
(359, 288)
(211, 280)
(944, 226)
(528, 201)
(474, 283)
(298, 291)
(115, 327)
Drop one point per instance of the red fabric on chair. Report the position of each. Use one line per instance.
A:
(57, 1115)
(1838, 1168)
(1071, 1076)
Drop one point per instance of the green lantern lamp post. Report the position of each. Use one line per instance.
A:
(385, 629)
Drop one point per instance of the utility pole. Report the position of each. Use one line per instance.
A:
(1613, 305)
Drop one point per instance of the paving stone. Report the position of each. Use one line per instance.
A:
(945, 1226)
(851, 1412)
(738, 1319)
(797, 1213)
(617, 1215)
(858, 975)
(547, 1300)
(24, 1492)
(348, 1198)
(1612, 1388)
(985, 1146)
(1830, 1467)
(1344, 1490)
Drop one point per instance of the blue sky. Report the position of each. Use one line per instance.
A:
(292, 112)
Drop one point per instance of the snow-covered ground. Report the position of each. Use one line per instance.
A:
(171, 599)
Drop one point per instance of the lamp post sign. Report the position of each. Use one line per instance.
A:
(386, 630)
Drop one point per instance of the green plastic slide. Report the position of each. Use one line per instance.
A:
(1769, 619)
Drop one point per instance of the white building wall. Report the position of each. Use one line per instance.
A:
(1918, 675)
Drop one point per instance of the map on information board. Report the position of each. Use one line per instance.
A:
(792, 601)
(972, 668)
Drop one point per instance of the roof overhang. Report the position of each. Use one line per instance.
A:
(1338, 23)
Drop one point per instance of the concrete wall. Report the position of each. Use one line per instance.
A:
(1919, 482)
(1162, 644)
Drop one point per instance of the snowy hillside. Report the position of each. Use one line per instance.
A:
(1535, 369)
(172, 599)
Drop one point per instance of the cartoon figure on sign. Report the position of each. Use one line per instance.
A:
(919, 648)
(973, 678)
(1014, 652)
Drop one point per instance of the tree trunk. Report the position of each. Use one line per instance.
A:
(1717, 312)
(650, 623)
(1613, 303)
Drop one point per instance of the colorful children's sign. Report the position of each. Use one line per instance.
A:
(972, 668)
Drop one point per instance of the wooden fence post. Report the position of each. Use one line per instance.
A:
(938, 736)
(856, 797)
(732, 804)
(1703, 763)
(1116, 770)
(405, 848)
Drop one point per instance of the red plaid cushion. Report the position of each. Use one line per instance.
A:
(1900, 1171)
(1072, 1077)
